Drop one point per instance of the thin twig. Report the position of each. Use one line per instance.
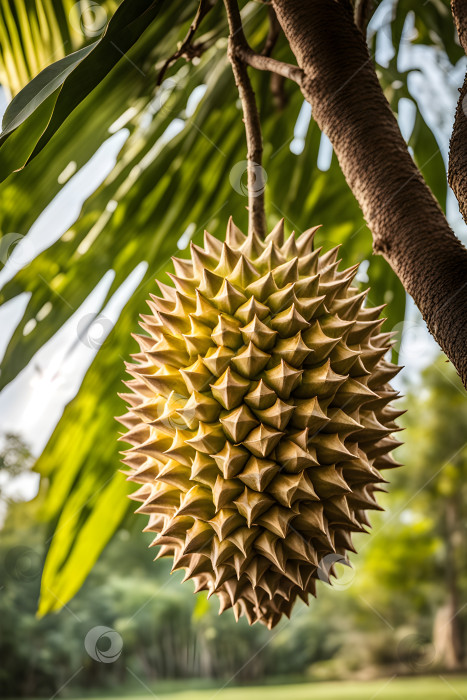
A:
(256, 212)
(257, 60)
(186, 48)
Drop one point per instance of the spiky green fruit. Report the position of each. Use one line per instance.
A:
(259, 418)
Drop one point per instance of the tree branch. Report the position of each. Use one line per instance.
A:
(407, 224)
(261, 62)
(186, 48)
(256, 212)
(457, 172)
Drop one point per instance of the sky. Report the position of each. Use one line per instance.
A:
(33, 403)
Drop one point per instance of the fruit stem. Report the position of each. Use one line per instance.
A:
(256, 179)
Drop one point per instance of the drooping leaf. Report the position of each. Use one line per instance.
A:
(39, 89)
(62, 86)
(33, 33)
(24, 195)
(105, 508)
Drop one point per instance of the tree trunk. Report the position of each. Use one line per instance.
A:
(448, 629)
(458, 145)
(407, 224)
(454, 624)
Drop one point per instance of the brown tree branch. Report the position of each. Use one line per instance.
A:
(261, 62)
(256, 212)
(186, 48)
(407, 224)
(457, 172)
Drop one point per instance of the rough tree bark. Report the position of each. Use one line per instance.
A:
(458, 145)
(407, 224)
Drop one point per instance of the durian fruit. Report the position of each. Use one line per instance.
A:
(259, 418)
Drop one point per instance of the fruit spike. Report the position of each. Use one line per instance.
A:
(259, 418)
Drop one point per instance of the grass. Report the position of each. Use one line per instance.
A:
(426, 688)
